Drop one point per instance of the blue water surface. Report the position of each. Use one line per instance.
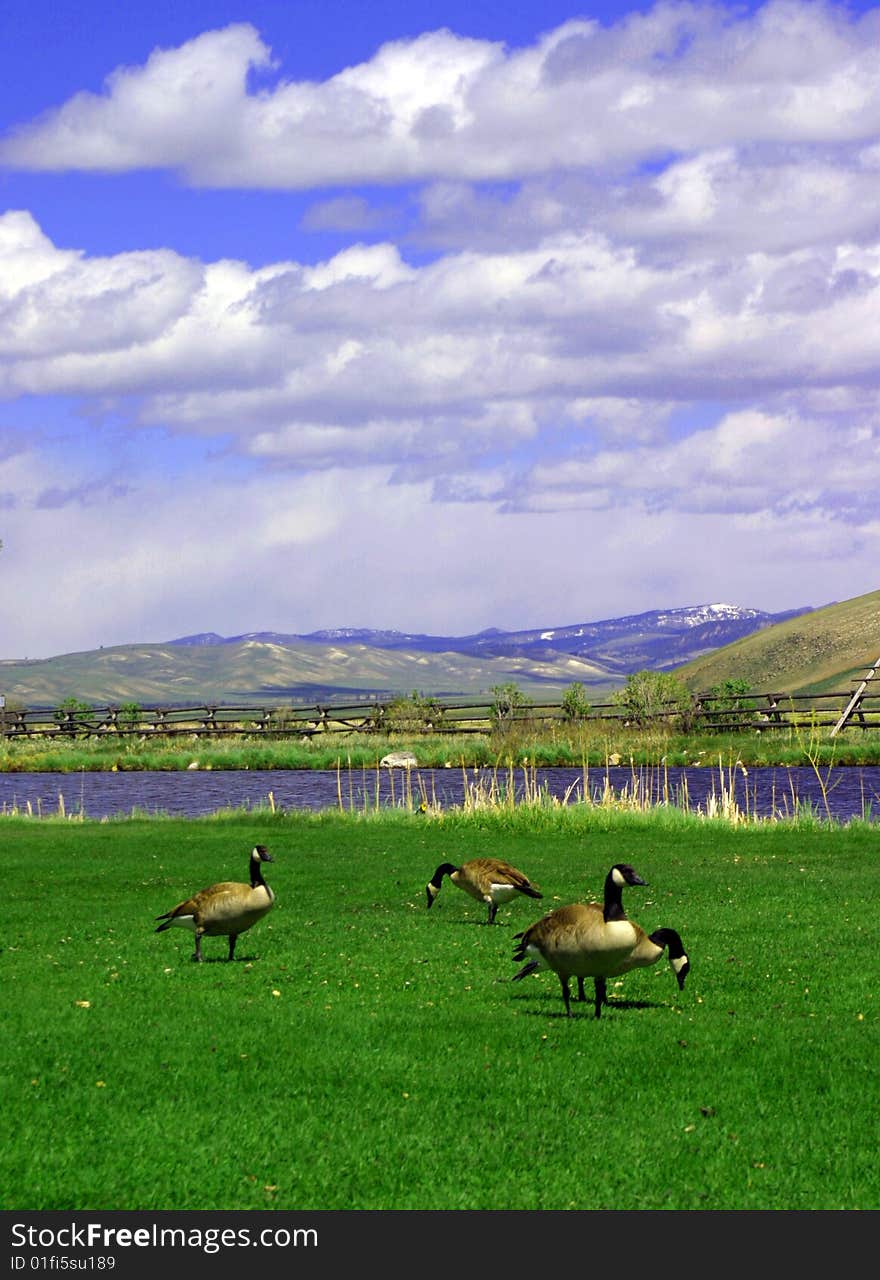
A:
(838, 794)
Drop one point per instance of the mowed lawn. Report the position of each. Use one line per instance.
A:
(363, 1052)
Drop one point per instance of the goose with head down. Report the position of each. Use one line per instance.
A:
(589, 940)
(487, 880)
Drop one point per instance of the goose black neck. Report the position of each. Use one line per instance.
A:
(256, 873)
(613, 909)
(669, 938)
(445, 869)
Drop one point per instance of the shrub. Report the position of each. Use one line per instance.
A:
(574, 703)
(731, 699)
(68, 712)
(415, 714)
(654, 695)
(507, 701)
(129, 714)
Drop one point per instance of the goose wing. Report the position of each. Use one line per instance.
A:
(186, 908)
(229, 900)
(221, 899)
(561, 927)
(493, 871)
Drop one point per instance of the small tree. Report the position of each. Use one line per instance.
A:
(414, 714)
(129, 714)
(574, 703)
(71, 710)
(731, 698)
(507, 702)
(71, 707)
(649, 695)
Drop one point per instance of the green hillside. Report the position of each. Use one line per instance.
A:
(253, 673)
(819, 652)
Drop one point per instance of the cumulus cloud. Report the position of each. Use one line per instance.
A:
(179, 104)
(475, 362)
(750, 462)
(56, 303)
(680, 78)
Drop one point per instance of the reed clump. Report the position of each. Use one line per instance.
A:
(505, 789)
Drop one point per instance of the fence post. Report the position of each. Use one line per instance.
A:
(855, 699)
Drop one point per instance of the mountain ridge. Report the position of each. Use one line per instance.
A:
(819, 652)
(266, 666)
(661, 638)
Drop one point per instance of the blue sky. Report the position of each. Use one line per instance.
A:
(433, 316)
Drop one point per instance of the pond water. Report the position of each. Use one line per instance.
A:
(837, 793)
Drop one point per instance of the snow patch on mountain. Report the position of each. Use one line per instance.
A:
(658, 639)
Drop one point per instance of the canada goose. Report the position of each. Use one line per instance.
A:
(225, 908)
(585, 940)
(486, 879)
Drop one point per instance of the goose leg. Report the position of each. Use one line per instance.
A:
(600, 995)
(233, 938)
(566, 995)
(197, 954)
(493, 909)
(582, 995)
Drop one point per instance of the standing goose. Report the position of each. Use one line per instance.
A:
(229, 907)
(487, 879)
(585, 940)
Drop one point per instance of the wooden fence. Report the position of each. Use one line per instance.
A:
(755, 711)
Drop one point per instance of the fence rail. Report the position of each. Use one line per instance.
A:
(754, 711)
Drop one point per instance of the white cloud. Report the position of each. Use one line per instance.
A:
(296, 553)
(57, 303)
(179, 104)
(750, 462)
(679, 77)
(473, 361)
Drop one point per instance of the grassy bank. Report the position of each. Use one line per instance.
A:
(552, 746)
(363, 1052)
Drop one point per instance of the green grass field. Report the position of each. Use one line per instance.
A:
(363, 1052)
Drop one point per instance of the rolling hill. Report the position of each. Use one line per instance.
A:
(809, 650)
(823, 651)
(256, 672)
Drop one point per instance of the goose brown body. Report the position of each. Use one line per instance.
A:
(589, 940)
(647, 951)
(225, 909)
(488, 880)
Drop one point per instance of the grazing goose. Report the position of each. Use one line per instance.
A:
(226, 908)
(486, 879)
(585, 940)
(647, 951)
